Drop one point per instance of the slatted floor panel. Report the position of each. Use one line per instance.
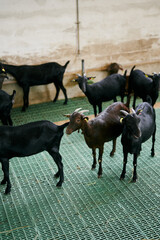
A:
(85, 207)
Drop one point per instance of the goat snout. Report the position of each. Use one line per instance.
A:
(69, 131)
(137, 134)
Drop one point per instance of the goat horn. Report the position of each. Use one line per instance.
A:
(67, 115)
(132, 111)
(78, 109)
(83, 111)
(124, 112)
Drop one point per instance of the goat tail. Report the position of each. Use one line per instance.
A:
(130, 79)
(66, 64)
(12, 96)
(14, 92)
(132, 69)
(129, 87)
(63, 125)
(125, 73)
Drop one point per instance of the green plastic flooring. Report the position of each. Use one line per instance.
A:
(85, 207)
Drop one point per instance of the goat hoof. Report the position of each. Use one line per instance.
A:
(7, 191)
(59, 184)
(121, 178)
(3, 182)
(93, 167)
(152, 154)
(111, 154)
(134, 180)
(99, 176)
(56, 175)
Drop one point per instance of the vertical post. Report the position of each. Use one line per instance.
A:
(78, 41)
(83, 70)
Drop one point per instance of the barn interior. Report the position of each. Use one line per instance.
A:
(99, 32)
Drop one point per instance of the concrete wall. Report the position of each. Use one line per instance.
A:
(37, 31)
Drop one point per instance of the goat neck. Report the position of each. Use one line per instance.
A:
(12, 69)
(86, 127)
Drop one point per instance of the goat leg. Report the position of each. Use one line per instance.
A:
(4, 121)
(115, 99)
(10, 121)
(58, 160)
(95, 110)
(65, 94)
(56, 175)
(5, 168)
(100, 107)
(125, 154)
(59, 86)
(57, 92)
(122, 96)
(153, 142)
(134, 179)
(25, 98)
(94, 158)
(100, 161)
(128, 100)
(134, 100)
(114, 148)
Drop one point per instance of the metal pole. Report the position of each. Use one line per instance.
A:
(83, 70)
(78, 42)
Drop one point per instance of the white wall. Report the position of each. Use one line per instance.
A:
(36, 31)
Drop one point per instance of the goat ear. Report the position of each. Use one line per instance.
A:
(85, 118)
(121, 120)
(67, 115)
(3, 70)
(90, 80)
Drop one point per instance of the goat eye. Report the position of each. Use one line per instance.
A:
(78, 121)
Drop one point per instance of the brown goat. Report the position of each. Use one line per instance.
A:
(113, 68)
(103, 128)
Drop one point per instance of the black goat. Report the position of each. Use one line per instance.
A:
(103, 128)
(6, 103)
(3, 75)
(105, 90)
(139, 126)
(33, 75)
(29, 139)
(143, 86)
